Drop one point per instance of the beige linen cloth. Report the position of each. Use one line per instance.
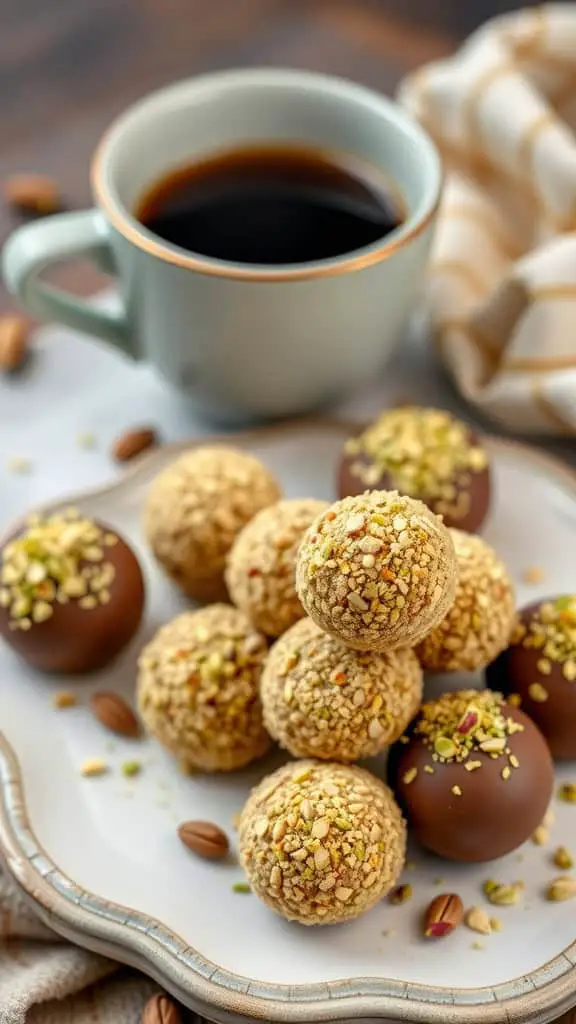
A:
(502, 287)
(47, 981)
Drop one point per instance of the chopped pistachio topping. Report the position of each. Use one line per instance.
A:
(56, 559)
(241, 887)
(551, 631)
(131, 768)
(461, 725)
(567, 792)
(425, 453)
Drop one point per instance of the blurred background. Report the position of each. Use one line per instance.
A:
(67, 67)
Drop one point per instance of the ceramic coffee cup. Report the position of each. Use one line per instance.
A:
(242, 340)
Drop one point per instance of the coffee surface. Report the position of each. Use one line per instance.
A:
(271, 205)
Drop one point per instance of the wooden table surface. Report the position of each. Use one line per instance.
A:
(67, 67)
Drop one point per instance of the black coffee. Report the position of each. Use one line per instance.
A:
(271, 205)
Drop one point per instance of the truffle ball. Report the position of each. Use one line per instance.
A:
(323, 699)
(475, 776)
(539, 670)
(195, 509)
(426, 454)
(198, 689)
(377, 570)
(480, 622)
(320, 842)
(261, 565)
(71, 593)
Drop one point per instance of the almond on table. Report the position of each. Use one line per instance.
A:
(32, 193)
(114, 714)
(133, 442)
(14, 330)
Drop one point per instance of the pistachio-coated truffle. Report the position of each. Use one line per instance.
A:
(262, 563)
(474, 778)
(198, 689)
(539, 670)
(323, 699)
(377, 570)
(480, 622)
(196, 508)
(320, 842)
(71, 593)
(427, 454)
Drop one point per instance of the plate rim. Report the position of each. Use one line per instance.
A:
(134, 938)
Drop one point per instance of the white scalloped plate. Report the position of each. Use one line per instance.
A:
(100, 860)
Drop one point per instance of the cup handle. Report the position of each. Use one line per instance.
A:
(33, 247)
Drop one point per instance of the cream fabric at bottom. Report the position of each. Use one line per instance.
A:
(47, 981)
(501, 291)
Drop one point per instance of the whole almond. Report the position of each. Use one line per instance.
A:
(443, 915)
(32, 193)
(133, 442)
(204, 838)
(114, 713)
(160, 1010)
(13, 342)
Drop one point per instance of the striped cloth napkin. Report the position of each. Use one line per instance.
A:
(501, 293)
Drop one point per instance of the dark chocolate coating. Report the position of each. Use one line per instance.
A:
(83, 640)
(494, 815)
(516, 669)
(479, 489)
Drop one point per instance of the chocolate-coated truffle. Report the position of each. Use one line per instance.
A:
(480, 622)
(426, 454)
(321, 843)
(323, 699)
(198, 689)
(377, 570)
(474, 776)
(539, 670)
(261, 565)
(196, 508)
(71, 593)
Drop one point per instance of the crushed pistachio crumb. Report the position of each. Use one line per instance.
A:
(55, 559)
(563, 859)
(401, 894)
(567, 792)
(63, 699)
(477, 920)
(93, 767)
(538, 693)
(18, 464)
(560, 889)
(131, 768)
(533, 574)
(540, 835)
(241, 887)
(503, 894)
(85, 440)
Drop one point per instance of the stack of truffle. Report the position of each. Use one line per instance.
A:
(359, 597)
